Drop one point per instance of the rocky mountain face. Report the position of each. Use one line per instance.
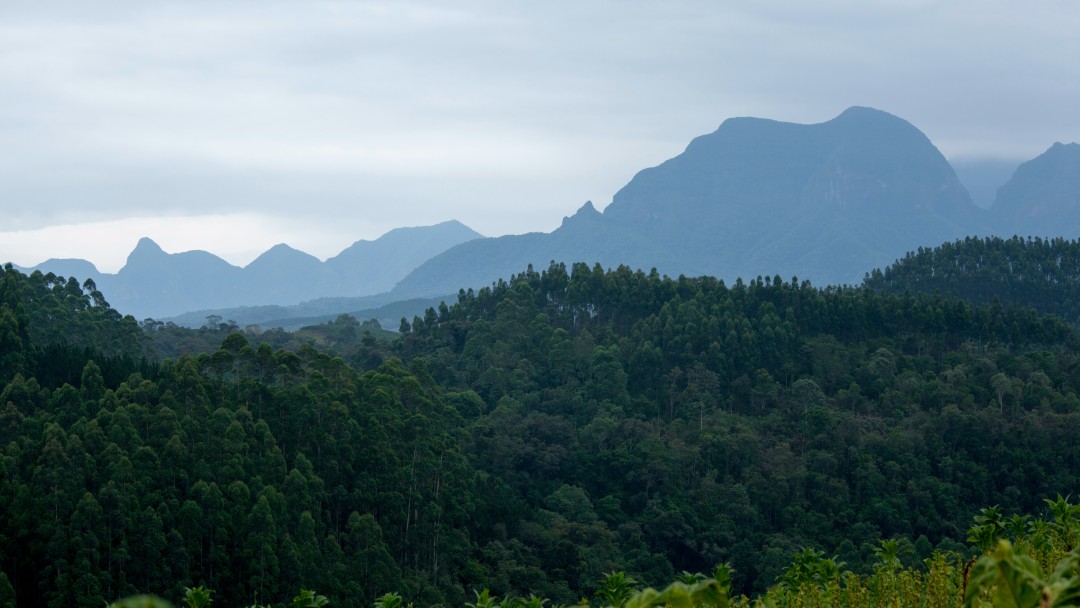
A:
(1043, 196)
(378, 265)
(824, 202)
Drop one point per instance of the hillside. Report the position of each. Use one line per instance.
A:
(1043, 196)
(1043, 274)
(530, 438)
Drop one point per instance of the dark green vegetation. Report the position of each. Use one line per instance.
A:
(528, 439)
(1025, 562)
(1043, 274)
(343, 335)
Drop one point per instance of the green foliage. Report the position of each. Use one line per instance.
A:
(989, 527)
(615, 589)
(484, 599)
(197, 597)
(888, 553)
(1040, 273)
(390, 600)
(1010, 577)
(1014, 580)
(703, 594)
(810, 567)
(141, 601)
(7, 592)
(308, 599)
(539, 434)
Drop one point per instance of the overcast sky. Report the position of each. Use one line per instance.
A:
(233, 126)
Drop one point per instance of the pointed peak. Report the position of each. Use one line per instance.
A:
(146, 249)
(146, 253)
(1060, 148)
(147, 245)
(585, 213)
(282, 253)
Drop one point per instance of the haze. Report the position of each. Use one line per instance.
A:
(232, 126)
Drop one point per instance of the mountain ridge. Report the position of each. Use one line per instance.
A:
(823, 201)
(756, 196)
(1043, 196)
(157, 284)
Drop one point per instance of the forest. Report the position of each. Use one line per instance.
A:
(534, 438)
(1042, 273)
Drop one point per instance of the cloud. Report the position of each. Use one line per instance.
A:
(506, 116)
(236, 237)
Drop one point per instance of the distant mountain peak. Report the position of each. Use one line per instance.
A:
(284, 248)
(863, 112)
(876, 124)
(1043, 196)
(281, 253)
(147, 245)
(453, 228)
(146, 250)
(585, 213)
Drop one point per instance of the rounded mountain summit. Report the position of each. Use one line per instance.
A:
(826, 202)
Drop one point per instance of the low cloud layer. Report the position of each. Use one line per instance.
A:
(506, 116)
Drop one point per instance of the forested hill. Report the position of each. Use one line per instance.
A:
(1041, 273)
(246, 469)
(532, 437)
(700, 422)
(45, 320)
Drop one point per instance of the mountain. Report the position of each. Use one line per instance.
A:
(282, 272)
(157, 284)
(67, 267)
(1043, 196)
(983, 176)
(823, 202)
(384, 307)
(378, 265)
(153, 282)
(539, 436)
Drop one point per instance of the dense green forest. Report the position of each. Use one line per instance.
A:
(529, 438)
(1024, 562)
(1041, 273)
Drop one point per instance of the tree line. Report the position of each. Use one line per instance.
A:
(528, 439)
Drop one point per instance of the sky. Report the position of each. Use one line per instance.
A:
(231, 126)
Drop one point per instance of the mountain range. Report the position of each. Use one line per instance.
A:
(153, 283)
(826, 202)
